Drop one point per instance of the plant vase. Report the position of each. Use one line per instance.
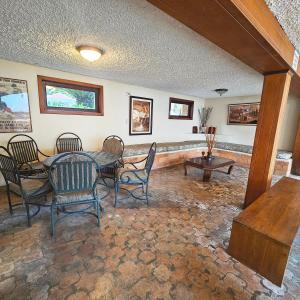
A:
(209, 155)
(202, 128)
(210, 135)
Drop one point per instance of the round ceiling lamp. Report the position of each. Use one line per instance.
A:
(89, 53)
(221, 91)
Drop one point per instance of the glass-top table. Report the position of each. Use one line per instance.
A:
(104, 159)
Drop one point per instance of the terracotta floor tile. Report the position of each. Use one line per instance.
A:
(173, 249)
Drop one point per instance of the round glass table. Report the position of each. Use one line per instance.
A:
(104, 159)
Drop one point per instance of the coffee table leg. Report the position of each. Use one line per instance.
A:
(230, 169)
(206, 175)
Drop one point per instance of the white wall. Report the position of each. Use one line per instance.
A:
(242, 134)
(93, 129)
(290, 124)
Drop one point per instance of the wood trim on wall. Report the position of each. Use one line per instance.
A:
(78, 85)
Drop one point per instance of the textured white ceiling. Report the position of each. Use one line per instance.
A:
(287, 13)
(143, 46)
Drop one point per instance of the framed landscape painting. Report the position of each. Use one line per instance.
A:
(243, 113)
(14, 106)
(140, 115)
(60, 96)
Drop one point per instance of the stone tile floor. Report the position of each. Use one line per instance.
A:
(174, 249)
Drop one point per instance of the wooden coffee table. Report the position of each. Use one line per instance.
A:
(208, 165)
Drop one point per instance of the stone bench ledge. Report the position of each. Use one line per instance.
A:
(141, 149)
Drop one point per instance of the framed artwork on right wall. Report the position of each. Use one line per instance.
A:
(243, 113)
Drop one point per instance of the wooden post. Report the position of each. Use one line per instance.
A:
(296, 153)
(273, 102)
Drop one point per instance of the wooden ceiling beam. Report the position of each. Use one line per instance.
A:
(246, 29)
(260, 23)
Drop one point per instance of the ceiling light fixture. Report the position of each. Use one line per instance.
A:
(221, 91)
(89, 53)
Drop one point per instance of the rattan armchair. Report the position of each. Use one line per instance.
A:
(68, 142)
(138, 177)
(32, 189)
(73, 177)
(25, 151)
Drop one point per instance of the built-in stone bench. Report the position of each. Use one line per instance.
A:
(176, 152)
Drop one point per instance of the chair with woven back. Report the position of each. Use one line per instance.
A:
(73, 177)
(33, 190)
(68, 142)
(113, 144)
(26, 153)
(138, 177)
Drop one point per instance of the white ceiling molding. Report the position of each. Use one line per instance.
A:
(142, 46)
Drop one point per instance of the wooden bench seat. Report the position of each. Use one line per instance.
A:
(262, 235)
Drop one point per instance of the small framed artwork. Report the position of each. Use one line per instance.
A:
(67, 97)
(14, 106)
(243, 113)
(140, 115)
(181, 109)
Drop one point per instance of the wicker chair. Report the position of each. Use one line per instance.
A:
(32, 190)
(136, 177)
(113, 144)
(73, 177)
(68, 142)
(25, 151)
